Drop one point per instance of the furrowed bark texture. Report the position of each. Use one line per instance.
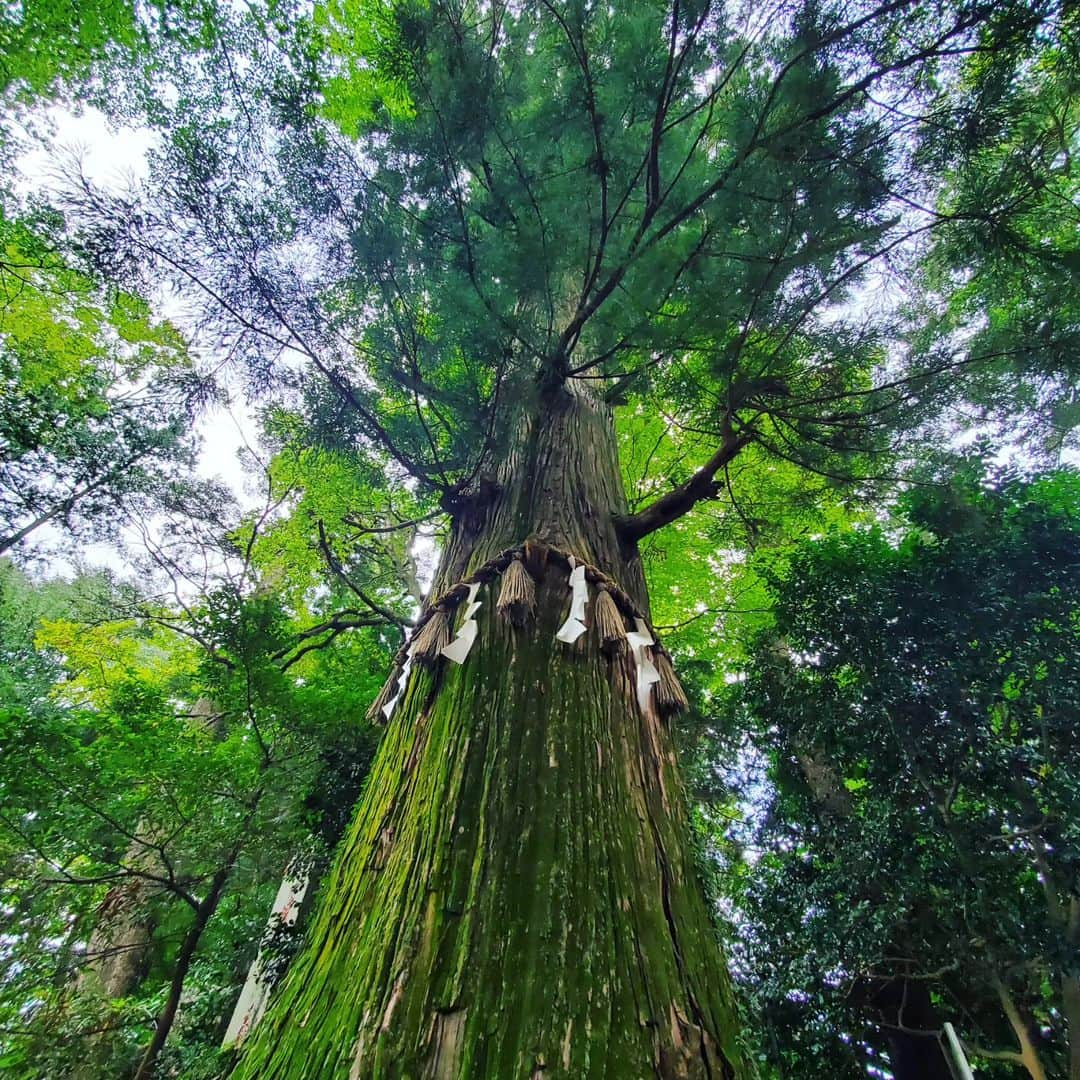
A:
(514, 897)
(117, 956)
(121, 940)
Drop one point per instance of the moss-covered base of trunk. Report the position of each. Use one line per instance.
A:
(514, 898)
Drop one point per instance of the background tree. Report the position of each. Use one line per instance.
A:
(931, 669)
(167, 754)
(997, 280)
(98, 398)
(100, 393)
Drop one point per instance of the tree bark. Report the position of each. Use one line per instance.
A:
(118, 947)
(1029, 1055)
(1070, 995)
(514, 897)
(116, 961)
(1070, 986)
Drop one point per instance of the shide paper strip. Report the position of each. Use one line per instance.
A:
(574, 626)
(459, 648)
(639, 640)
(388, 708)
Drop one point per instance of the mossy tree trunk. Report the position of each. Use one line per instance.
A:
(515, 896)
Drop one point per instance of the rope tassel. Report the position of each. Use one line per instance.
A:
(433, 637)
(517, 597)
(375, 714)
(609, 623)
(670, 696)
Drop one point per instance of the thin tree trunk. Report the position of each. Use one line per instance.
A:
(1070, 993)
(1029, 1056)
(1065, 916)
(1070, 988)
(117, 951)
(912, 1029)
(190, 944)
(515, 897)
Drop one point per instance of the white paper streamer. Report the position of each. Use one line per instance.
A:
(254, 996)
(639, 640)
(574, 626)
(388, 708)
(459, 648)
(639, 637)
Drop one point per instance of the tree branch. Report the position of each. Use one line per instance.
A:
(680, 501)
(335, 565)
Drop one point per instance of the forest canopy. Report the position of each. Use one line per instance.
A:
(760, 319)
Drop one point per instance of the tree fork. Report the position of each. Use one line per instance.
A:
(515, 897)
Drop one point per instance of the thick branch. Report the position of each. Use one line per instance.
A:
(332, 628)
(67, 504)
(680, 501)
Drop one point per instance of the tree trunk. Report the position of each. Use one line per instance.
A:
(514, 897)
(203, 914)
(118, 953)
(118, 947)
(912, 1029)
(117, 959)
(1070, 984)
(1070, 994)
(1028, 1055)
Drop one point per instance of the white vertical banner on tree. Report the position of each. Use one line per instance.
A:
(256, 992)
(574, 626)
(639, 639)
(459, 648)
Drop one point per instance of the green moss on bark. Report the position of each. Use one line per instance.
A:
(515, 897)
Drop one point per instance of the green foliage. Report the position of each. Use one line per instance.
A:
(47, 46)
(410, 226)
(913, 697)
(997, 287)
(96, 394)
(369, 61)
(148, 749)
(486, 199)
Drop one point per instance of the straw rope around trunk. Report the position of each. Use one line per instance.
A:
(610, 624)
(670, 696)
(533, 554)
(431, 638)
(612, 607)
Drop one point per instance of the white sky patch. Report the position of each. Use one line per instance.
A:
(115, 158)
(111, 156)
(228, 434)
